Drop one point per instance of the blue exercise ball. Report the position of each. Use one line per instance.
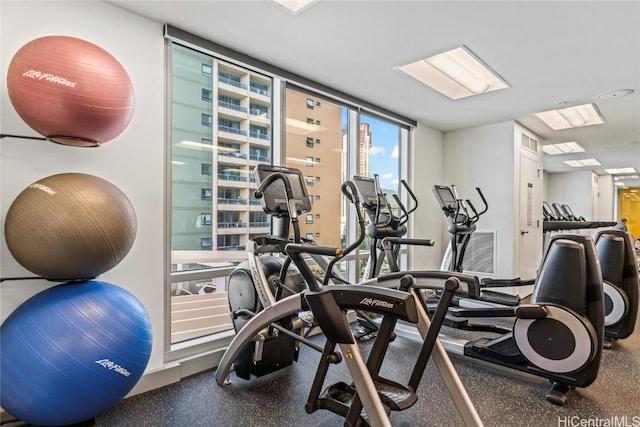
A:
(71, 352)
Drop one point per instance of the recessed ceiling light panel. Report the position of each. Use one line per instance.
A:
(620, 171)
(563, 148)
(582, 162)
(295, 6)
(457, 73)
(571, 117)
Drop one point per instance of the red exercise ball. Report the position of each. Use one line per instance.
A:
(71, 91)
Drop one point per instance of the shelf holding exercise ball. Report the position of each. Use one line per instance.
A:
(70, 226)
(71, 352)
(70, 90)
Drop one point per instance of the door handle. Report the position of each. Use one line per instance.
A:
(523, 232)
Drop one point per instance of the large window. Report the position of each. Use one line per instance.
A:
(379, 147)
(324, 165)
(225, 119)
(353, 144)
(215, 144)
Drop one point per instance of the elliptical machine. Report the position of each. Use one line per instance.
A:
(386, 229)
(329, 304)
(278, 346)
(463, 217)
(558, 335)
(621, 288)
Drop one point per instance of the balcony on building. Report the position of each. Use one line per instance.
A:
(260, 135)
(232, 204)
(259, 154)
(232, 227)
(232, 178)
(231, 107)
(231, 129)
(259, 113)
(231, 223)
(230, 153)
(232, 82)
(260, 89)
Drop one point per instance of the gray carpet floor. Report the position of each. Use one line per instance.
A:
(502, 397)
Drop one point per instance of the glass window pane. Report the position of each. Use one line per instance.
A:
(323, 163)
(379, 144)
(379, 152)
(221, 128)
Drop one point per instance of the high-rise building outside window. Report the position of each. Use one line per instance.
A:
(319, 161)
(220, 130)
(222, 118)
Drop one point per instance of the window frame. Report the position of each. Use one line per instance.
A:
(280, 79)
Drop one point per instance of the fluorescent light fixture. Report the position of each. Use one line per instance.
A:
(619, 184)
(457, 73)
(620, 171)
(563, 148)
(582, 162)
(571, 117)
(295, 6)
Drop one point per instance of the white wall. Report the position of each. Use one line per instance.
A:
(574, 189)
(134, 161)
(426, 168)
(484, 157)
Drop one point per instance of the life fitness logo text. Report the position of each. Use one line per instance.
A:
(376, 303)
(39, 75)
(112, 366)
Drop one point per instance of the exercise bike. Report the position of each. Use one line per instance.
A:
(329, 305)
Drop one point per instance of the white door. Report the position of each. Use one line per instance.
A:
(595, 195)
(530, 231)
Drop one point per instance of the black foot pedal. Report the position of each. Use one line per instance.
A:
(396, 397)
(337, 398)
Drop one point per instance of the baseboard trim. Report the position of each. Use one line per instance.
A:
(174, 372)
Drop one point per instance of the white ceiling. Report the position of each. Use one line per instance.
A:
(548, 51)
